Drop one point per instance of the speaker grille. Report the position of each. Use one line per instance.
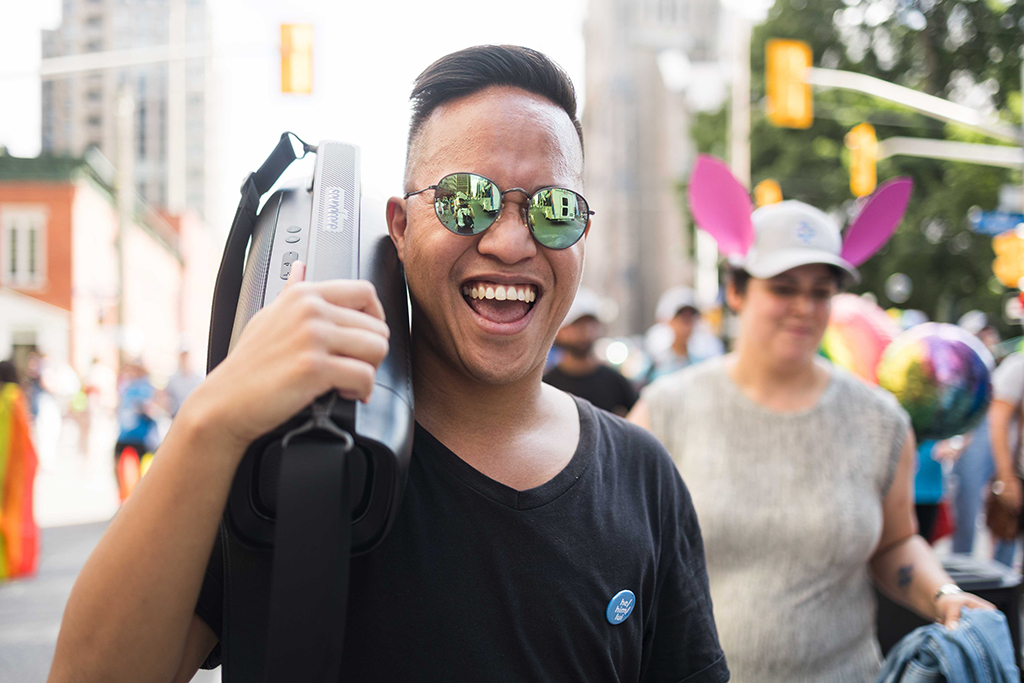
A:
(336, 250)
(257, 263)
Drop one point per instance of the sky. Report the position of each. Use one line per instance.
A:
(366, 55)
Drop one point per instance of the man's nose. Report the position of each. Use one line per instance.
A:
(509, 239)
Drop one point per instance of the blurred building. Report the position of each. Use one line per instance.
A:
(650, 65)
(79, 111)
(60, 282)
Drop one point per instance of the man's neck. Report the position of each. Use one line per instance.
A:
(520, 434)
(680, 348)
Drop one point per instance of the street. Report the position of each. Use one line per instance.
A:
(75, 498)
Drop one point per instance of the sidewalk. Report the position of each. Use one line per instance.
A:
(78, 488)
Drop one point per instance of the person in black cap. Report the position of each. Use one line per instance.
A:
(579, 371)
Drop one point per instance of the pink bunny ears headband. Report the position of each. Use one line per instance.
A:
(722, 207)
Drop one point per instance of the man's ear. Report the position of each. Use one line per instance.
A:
(397, 224)
(733, 299)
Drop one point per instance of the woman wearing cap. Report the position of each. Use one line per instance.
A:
(800, 474)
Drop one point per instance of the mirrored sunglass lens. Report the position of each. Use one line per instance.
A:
(466, 203)
(558, 217)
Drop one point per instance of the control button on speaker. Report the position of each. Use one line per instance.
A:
(294, 228)
(291, 239)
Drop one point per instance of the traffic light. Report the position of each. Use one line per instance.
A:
(767, 192)
(1009, 264)
(863, 146)
(297, 58)
(790, 104)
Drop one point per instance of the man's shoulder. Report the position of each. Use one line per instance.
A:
(617, 440)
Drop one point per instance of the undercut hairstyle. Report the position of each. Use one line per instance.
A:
(476, 68)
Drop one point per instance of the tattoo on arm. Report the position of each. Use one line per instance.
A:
(905, 576)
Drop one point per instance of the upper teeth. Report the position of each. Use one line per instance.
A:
(524, 293)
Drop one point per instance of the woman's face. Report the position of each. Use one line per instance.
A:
(784, 317)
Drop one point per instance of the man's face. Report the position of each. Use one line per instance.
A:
(517, 140)
(579, 337)
(682, 324)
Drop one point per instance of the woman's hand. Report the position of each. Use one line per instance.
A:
(314, 337)
(948, 607)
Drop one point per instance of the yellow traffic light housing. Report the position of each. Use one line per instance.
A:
(297, 58)
(790, 103)
(767, 192)
(863, 146)
(1009, 264)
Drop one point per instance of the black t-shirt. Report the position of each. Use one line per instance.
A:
(604, 387)
(478, 581)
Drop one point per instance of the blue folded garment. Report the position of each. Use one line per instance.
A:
(979, 650)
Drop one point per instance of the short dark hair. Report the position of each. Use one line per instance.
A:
(471, 70)
(740, 278)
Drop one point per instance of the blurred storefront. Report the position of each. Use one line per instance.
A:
(61, 278)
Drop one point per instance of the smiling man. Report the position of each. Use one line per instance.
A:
(539, 539)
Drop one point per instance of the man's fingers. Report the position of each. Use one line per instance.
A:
(348, 317)
(356, 294)
(298, 274)
(352, 378)
(360, 344)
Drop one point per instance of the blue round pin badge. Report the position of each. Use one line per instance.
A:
(620, 607)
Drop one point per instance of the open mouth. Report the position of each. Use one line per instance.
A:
(499, 303)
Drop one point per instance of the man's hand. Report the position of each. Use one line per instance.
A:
(1011, 496)
(948, 607)
(314, 337)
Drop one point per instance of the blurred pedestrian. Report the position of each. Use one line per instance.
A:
(579, 371)
(801, 474)
(137, 428)
(1004, 422)
(974, 468)
(181, 383)
(19, 535)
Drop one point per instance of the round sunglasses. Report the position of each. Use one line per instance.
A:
(468, 204)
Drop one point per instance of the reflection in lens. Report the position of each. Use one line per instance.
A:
(466, 203)
(558, 217)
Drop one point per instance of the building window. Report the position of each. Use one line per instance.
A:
(23, 251)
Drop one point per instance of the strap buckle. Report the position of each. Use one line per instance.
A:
(321, 421)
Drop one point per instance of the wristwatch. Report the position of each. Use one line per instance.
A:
(947, 589)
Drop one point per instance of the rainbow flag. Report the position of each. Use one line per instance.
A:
(19, 535)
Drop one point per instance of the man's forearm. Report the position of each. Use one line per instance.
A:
(1000, 438)
(910, 573)
(130, 609)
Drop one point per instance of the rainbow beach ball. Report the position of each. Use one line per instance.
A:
(857, 334)
(940, 375)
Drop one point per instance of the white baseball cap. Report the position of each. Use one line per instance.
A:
(790, 234)
(673, 300)
(585, 304)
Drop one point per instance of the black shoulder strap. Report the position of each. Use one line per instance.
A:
(229, 277)
(312, 546)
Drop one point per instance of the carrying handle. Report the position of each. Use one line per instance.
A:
(229, 276)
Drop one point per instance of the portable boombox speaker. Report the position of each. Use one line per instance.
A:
(327, 483)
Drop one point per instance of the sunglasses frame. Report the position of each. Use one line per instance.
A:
(501, 207)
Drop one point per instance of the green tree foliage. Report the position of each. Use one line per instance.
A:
(968, 51)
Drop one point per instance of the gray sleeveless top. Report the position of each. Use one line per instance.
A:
(790, 508)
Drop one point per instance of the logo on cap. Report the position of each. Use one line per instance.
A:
(620, 607)
(804, 232)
